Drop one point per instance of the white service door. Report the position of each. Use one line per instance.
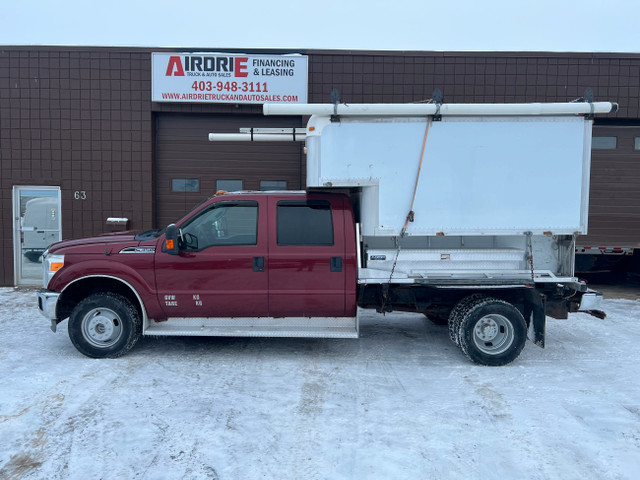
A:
(36, 212)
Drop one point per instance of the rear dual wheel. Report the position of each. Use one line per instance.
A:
(489, 331)
(458, 311)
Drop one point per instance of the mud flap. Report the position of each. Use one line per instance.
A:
(54, 324)
(534, 313)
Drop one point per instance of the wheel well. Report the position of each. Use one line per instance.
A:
(81, 289)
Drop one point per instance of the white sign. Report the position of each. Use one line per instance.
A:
(228, 78)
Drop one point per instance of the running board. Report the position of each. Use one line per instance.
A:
(309, 327)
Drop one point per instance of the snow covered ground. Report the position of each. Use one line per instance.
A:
(399, 403)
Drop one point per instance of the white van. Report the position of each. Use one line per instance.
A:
(39, 226)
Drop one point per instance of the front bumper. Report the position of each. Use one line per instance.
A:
(47, 303)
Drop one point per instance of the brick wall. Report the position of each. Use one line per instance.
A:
(82, 118)
(79, 119)
(385, 77)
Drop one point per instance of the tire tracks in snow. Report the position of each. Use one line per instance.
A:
(63, 415)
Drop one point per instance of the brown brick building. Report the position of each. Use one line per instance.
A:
(81, 120)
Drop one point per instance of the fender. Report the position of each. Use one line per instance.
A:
(145, 317)
(134, 278)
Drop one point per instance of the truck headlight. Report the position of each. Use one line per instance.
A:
(50, 265)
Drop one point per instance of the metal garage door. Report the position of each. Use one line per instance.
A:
(614, 203)
(190, 169)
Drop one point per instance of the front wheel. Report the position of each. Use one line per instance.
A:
(104, 325)
(492, 332)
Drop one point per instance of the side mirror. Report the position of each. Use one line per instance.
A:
(171, 240)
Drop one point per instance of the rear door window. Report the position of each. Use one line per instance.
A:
(304, 223)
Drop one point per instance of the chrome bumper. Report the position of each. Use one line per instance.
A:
(591, 300)
(47, 302)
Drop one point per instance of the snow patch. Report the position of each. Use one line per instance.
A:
(400, 402)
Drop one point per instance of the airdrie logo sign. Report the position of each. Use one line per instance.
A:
(193, 64)
(229, 78)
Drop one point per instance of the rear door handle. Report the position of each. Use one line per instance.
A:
(258, 264)
(336, 264)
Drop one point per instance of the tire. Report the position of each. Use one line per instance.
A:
(492, 332)
(104, 325)
(34, 256)
(457, 313)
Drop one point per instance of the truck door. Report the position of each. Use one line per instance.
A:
(306, 257)
(221, 270)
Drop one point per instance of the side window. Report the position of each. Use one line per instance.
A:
(185, 185)
(266, 185)
(304, 223)
(229, 185)
(222, 224)
(604, 143)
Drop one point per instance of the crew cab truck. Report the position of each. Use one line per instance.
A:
(465, 213)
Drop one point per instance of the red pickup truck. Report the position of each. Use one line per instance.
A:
(224, 260)
(412, 207)
(273, 264)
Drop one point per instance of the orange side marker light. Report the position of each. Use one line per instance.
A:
(55, 266)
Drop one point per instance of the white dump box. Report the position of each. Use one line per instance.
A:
(496, 191)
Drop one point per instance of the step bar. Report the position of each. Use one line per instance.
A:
(294, 327)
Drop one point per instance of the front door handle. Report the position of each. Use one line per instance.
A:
(336, 264)
(258, 264)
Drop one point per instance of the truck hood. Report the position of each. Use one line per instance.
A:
(99, 243)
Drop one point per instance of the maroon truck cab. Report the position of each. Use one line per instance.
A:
(236, 263)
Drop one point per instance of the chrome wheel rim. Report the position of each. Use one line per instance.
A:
(102, 327)
(493, 334)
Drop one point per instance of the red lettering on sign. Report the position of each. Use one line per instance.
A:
(175, 63)
(240, 69)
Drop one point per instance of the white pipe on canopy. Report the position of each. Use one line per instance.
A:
(404, 109)
(256, 137)
(421, 109)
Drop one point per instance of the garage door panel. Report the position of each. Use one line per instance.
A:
(184, 152)
(614, 203)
